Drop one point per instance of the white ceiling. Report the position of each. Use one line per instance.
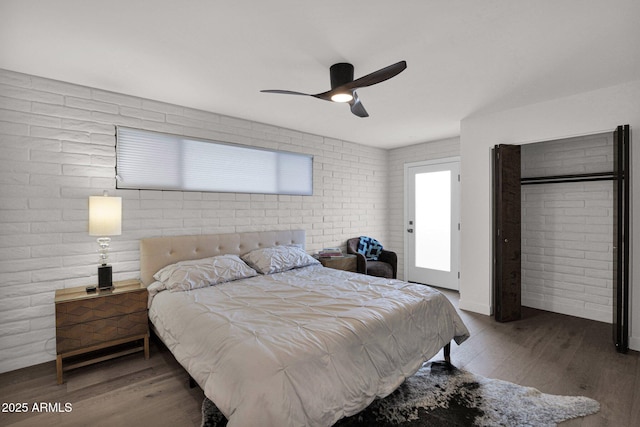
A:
(463, 56)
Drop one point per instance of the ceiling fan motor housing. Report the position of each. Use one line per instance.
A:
(340, 74)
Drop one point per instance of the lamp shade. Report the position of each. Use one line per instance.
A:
(105, 216)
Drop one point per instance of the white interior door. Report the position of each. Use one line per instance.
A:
(432, 243)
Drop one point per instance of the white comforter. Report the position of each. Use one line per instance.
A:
(304, 347)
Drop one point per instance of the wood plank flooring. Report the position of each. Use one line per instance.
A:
(555, 353)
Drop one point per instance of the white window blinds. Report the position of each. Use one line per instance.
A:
(153, 160)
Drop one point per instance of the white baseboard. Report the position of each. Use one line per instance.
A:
(582, 312)
(474, 307)
(634, 343)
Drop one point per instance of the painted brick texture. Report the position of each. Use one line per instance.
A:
(57, 148)
(567, 229)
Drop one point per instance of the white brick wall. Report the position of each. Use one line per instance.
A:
(397, 158)
(567, 229)
(57, 148)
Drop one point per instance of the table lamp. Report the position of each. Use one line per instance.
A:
(105, 219)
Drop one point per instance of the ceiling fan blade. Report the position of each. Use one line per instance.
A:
(285, 92)
(377, 76)
(325, 95)
(356, 106)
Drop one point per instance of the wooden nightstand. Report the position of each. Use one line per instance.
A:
(88, 322)
(347, 262)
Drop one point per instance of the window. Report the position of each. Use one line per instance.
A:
(159, 161)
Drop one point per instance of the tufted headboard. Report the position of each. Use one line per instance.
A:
(158, 252)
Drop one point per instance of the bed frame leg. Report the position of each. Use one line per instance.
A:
(192, 382)
(447, 353)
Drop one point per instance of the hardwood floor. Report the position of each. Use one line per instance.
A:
(555, 353)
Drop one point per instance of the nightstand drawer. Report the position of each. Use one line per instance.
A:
(347, 262)
(87, 334)
(89, 309)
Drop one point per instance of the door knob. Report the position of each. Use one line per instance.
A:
(409, 230)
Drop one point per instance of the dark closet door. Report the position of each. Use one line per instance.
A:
(621, 171)
(506, 233)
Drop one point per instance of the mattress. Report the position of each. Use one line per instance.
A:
(304, 347)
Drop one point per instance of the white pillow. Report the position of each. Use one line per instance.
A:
(278, 258)
(200, 273)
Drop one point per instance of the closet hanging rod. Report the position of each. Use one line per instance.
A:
(581, 177)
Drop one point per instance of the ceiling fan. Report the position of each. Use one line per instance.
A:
(343, 87)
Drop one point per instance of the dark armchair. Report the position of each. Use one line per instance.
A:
(385, 266)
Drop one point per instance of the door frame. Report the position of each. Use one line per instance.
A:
(405, 239)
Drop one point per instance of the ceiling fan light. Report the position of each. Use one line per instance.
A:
(342, 97)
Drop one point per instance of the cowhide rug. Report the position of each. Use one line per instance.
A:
(442, 395)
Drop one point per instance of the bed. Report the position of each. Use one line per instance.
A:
(305, 346)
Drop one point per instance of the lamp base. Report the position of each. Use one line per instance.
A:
(104, 277)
